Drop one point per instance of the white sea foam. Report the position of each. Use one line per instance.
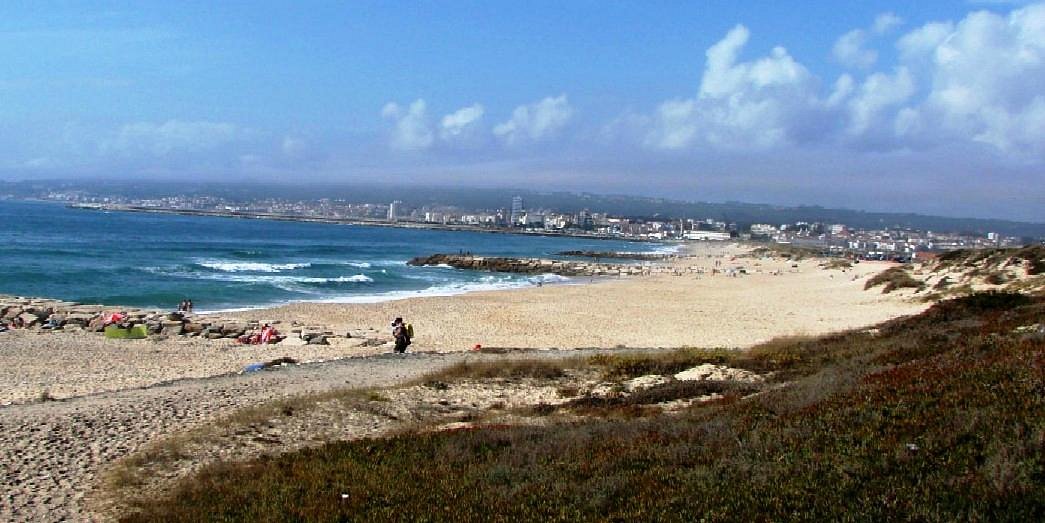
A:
(491, 283)
(239, 266)
(486, 283)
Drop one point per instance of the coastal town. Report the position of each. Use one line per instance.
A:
(897, 243)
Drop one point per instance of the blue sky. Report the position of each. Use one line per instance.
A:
(934, 107)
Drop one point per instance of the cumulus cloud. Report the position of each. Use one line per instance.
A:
(978, 80)
(849, 50)
(920, 44)
(410, 127)
(535, 121)
(173, 136)
(761, 103)
(986, 75)
(885, 22)
(461, 122)
(878, 93)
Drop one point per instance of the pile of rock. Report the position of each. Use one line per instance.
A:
(57, 315)
(613, 255)
(545, 266)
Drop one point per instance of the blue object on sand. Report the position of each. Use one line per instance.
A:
(254, 367)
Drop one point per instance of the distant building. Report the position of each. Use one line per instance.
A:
(517, 211)
(583, 220)
(393, 210)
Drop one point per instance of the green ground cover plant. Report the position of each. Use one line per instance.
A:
(893, 279)
(936, 417)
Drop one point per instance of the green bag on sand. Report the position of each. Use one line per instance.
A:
(410, 330)
(136, 332)
(115, 333)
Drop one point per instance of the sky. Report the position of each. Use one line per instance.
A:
(931, 107)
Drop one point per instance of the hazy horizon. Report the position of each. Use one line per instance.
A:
(494, 197)
(936, 108)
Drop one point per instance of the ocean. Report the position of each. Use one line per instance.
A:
(157, 260)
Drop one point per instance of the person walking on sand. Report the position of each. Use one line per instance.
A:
(401, 335)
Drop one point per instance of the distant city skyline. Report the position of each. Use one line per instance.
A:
(936, 107)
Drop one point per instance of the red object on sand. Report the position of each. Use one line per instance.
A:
(477, 347)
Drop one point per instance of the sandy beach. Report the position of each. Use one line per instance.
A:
(651, 311)
(119, 395)
(774, 298)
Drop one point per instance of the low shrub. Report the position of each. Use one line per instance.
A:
(508, 368)
(949, 428)
(893, 278)
(619, 366)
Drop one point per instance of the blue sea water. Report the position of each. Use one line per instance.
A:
(154, 260)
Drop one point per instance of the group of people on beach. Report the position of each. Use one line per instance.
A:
(185, 306)
(268, 334)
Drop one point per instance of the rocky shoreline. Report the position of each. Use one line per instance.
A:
(56, 315)
(611, 255)
(548, 266)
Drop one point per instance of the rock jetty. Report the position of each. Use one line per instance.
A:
(545, 266)
(63, 316)
(612, 255)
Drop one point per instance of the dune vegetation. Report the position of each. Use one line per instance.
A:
(934, 417)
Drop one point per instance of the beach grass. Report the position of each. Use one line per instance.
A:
(893, 278)
(936, 417)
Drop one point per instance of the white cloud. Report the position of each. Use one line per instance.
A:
(676, 125)
(849, 50)
(987, 76)
(842, 89)
(761, 103)
(920, 43)
(536, 121)
(979, 80)
(410, 129)
(173, 136)
(461, 122)
(885, 22)
(878, 93)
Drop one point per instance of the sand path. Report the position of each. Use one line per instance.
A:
(53, 451)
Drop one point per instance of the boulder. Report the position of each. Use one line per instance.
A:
(193, 328)
(233, 329)
(171, 328)
(28, 319)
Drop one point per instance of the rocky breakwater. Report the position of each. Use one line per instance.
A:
(543, 266)
(613, 255)
(63, 316)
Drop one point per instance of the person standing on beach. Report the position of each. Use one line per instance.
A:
(401, 335)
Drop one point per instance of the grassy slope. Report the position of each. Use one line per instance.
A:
(937, 417)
